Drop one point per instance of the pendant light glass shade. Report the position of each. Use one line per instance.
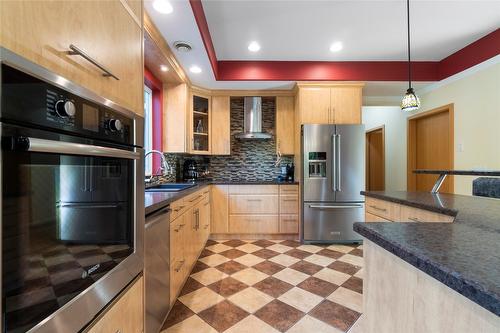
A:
(410, 101)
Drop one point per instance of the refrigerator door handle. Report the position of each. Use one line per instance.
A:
(337, 160)
(335, 207)
(334, 162)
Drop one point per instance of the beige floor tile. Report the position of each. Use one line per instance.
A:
(279, 248)
(360, 247)
(200, 300)
(250, 299)
(249, 276)
(319, 260)
(284, 260)
(353, 260)
(214, 260)
(209, 276)
(192, 324)
(332, 276)
(275, 240)
(347, 298)
(251, 324)
(218, 248)
(249, 260)
(300, 299)
(340, 248)
(357, 327)
(291, 276)
(310, 248)
(309, 324)
(249, 248)
(360, 274)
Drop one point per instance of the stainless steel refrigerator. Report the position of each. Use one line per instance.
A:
(333, 174)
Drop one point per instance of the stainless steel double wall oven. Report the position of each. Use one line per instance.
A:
(72, 196)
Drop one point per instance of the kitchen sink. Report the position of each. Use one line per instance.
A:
(174, 187)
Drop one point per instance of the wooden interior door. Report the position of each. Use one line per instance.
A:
(375, 159)
(430, 146)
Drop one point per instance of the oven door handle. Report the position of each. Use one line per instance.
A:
(67, 148)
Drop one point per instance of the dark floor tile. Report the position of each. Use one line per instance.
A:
(265, 253)
(206, 253)
(330, 253)
(211, 242)
(178, 313)
(273, 286)
(291, 243)
(317, 286)
(28, 286)
(344, 267)
(230, 267)
(279, 315)
(335, 315)
(227, 287)
(29, 316)
(269, 267)
(199, 266)
(357, 252)
(88, 253)
(263, 243)
(223, 315)
(355, 284)
(306, 267)
(299, 254)
(232, 253)
(190, 286)
(234, 243)
(63, 267)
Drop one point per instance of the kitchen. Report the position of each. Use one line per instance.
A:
(204, 166)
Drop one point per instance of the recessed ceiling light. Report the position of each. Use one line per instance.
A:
(163, 6)
(163, 68)
(335, 47)
(253, 46)
(195, 69)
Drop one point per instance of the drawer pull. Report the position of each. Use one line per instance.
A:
(289, 220)
(254, 200)
(197, 197)
(252, 220)
(77, 51)
(414, 219)
(180, 227)
(290, 200)
(180, 266)
(179, 208)
(378, 208)
(206, 226)
(206, 204)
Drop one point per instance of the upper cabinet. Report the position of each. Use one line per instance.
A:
(221, 125)
(285, 118)
(109, 33)
(175, 117)
(199, 123)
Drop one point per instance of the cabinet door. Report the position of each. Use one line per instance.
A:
(314, 105)
(200, 124)
(126, 315)
(205, 221)
(177, 255)
(345, 105)
(175, 118)
(285, 120)
(221, 127)
(220, 209)
(42, 32)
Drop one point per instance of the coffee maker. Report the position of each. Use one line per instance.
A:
(190, 170)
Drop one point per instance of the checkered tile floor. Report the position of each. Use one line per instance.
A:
(268, 286)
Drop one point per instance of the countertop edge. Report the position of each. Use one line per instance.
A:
(175, 196)
(469, 289)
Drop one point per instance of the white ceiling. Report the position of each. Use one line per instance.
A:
(369, 30)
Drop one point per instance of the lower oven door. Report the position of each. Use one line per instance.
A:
(72, 219)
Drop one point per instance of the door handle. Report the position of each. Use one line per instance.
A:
(335, 207)
(337, 159)
(334, 162)
(77, 51)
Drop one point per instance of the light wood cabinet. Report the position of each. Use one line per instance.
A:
(345, 105)
(221, 125)
(285, 119)
(385, 209)
(411, 214)
(374, 218)
(289, 224)
(199, 123)
(289, 204)
(175, 118)
(314, 105)
(42, 32)
(220, 209)
(253, 224)
(126, 314)
(253, 204)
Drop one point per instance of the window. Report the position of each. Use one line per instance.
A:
(148, 128)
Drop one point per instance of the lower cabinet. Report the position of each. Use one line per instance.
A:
(126, 314)
(189, 231)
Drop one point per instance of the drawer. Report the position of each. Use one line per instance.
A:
(177, 209)
(253, 204)
(177, 275)
(289, 224)
(289, 189)
(385, 209)
(289, 204)
(411, 214)
(374, 218)
(253, 189)
(177, 236)
(193, 198)
(253, 224)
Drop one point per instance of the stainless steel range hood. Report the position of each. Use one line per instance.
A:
(253, 120)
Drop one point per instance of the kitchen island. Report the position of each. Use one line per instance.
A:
(433, 277)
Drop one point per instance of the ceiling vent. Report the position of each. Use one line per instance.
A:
(182, 46)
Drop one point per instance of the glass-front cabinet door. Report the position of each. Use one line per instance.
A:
(200, 124)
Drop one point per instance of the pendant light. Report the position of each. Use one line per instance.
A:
(410, 101)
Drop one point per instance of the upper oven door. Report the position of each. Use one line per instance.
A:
(68, 219)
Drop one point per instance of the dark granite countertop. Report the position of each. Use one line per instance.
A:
(157, 200)
(464, 255)
(459, 172)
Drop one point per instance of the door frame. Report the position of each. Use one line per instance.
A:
(367, 155)
(412, 149)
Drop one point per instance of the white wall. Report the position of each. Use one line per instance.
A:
(395, 142)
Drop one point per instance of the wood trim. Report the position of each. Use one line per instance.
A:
(329, 84)
(131, 12)
(383, 153)
(242, 93)
(411, 147)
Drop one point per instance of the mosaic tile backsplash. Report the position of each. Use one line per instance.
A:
(250, 160)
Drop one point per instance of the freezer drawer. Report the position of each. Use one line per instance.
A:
(332, 222)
